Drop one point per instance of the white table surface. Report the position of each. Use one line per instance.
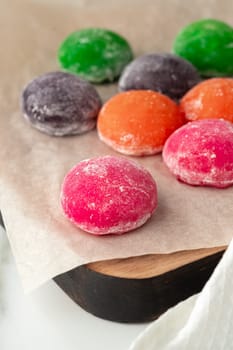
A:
(47, 319)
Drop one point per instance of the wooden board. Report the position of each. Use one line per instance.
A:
(141, 288)
(138, 289)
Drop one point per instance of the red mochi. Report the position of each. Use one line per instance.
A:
(108, 195)
(201, 153)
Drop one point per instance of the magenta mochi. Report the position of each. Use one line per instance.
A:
(108, 195)
(201, 153)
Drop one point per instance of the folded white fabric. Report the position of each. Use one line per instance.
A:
(202, 322)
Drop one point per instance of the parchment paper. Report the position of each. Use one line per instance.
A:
(32, 165)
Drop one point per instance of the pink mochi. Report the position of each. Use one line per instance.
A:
(201, 153)
(108, 195)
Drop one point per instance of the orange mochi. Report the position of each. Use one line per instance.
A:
(138, 122)
(210, 99)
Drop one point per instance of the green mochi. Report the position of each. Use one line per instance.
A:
(95, 54)
(208, 45)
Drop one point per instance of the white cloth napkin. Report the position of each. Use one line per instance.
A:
(202, 322)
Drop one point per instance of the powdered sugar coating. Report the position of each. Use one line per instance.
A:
(108, 195)
(59, 104)
(165, 73)
(130, 149)
(201, 153)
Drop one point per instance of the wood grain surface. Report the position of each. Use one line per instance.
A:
(147, 266)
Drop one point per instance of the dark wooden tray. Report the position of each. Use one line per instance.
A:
(138, 289)
(141, 288)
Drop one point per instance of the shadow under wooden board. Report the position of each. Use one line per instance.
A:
(139, 289)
